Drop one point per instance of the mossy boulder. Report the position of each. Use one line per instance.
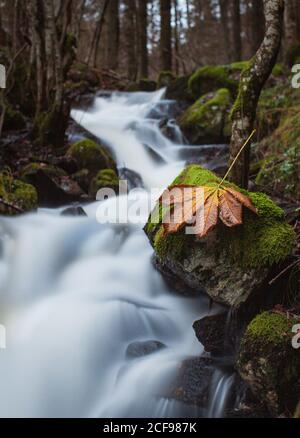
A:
(15, 192)
(232, 265)
(268, 362)
(106, 178)
(91, 156)
(164, 79)
(31, 169)
(212, 77)
(207, 120)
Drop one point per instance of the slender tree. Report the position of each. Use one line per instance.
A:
(225, 28)
(257, 24)
(252, 81)
(112, 35)
(130, 38)
(290, 32)
(237, 30)
(142, 23)
(165, 35)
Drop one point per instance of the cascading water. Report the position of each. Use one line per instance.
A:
(74, 294)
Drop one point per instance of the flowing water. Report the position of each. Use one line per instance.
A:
(74, 293)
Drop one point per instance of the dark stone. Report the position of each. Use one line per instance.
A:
(134, 179)
(73, 211)
(140, 349)
(55, 192)
(211, 331)
(193, 382)
(68, 164)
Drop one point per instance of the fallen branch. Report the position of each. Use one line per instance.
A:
(12, 206)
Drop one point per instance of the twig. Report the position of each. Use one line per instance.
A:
(10, 205)
(284, 271)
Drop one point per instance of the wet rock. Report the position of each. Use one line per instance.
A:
(208, 119)
(134, 179)
(73, 211)
(211, 332)
(54, 191)
(232, 265)
(140, 349)
(269, 364)
(165, 78)
(178, 90)
(193, 382)
(68, 164)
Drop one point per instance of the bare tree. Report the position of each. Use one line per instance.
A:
(112, 35)
(290, 31)
(143, 38)
(237, 29)
(252, 81)
(130, 38)
(165, 35)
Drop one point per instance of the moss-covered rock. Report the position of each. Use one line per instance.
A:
(91, 156)
(50, 170)
(17, 193)
(147, 85)
(212, 77)
(207, 120)
(268, 362)
(164, 79)
(106, 178)
(49, 127)
(230, 264)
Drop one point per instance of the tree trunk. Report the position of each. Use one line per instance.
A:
(237, 30)
(130, 38)
(143, 38)
(290, 32)
(257, 24)
(225, 28)
(97, 35)
(165, 36)
(252, 81)
(112, 35)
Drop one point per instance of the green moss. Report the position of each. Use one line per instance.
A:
(262, 240)
(208, 114)
(106, 178)
(212, 77)
(277, 70)
(50, 170)
(89, 155)
(270, 328)
(18, 193)
(245, 93)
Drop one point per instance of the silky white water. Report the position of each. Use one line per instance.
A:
(74, 294)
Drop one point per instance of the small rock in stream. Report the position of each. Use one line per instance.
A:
(140, 349)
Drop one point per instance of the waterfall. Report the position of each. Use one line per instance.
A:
(75, 294)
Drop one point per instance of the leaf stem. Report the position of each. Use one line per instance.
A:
(237, 156)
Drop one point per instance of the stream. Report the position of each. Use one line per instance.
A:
(75, 293)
